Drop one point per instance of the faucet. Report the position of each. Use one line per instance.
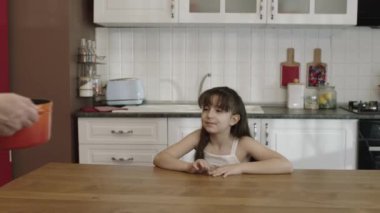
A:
(202, 82)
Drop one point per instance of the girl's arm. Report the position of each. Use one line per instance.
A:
(267, 160)
(169, 158)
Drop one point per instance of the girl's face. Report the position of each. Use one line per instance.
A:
(216, 120)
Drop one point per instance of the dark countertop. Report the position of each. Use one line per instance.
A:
(276, 112)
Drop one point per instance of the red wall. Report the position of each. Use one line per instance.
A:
(4, 76)
(5, 164)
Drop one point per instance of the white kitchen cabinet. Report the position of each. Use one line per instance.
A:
(325, 12)
(307, 143)
(305, 12)
(313, 144)
(328, 12)
(222, 11)
(125, 12)
(123, 141)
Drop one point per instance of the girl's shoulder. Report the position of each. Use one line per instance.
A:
(247, 141)
(193, 136)
(196, 133)
(246, 138)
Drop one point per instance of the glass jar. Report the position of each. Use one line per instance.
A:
(326, 97)
(97, 85)
(311, 98)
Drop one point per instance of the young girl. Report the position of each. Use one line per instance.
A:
(223, 145)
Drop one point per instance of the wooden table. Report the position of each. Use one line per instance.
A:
(58, 187)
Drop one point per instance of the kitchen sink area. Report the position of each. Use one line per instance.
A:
(176, 108)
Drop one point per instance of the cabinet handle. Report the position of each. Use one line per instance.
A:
(261, 9)
(266, 134)
(374, 149)
(272, 10)
(122, 159)
(254, 131)
(121, 132)
(172, 8)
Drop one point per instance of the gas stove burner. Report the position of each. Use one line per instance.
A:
(359, 106)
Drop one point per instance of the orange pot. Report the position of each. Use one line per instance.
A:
(37, 134)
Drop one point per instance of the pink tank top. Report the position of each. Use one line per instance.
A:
(220, 160)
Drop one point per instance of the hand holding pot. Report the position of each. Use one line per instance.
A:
(16, 112)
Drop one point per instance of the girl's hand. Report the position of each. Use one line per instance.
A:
(224, 171)
(199, 166)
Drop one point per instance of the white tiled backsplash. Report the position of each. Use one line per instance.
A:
(171, 61)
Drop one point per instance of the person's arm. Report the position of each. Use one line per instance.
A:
(267, 161)
(169, 158)
(16, 112)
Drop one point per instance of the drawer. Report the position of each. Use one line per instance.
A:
(136, 155)
(122, 131)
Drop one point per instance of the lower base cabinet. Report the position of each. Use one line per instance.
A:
(313, 143)
(307, 143)
(121, 141)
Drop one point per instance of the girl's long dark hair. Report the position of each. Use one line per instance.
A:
(229, 101)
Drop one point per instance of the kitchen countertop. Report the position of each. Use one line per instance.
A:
(63, 187)
(269, 112)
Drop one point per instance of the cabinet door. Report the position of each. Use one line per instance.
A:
(222, 11)
(178, 128)
(124, 12)
(328, 12)
(313, 144)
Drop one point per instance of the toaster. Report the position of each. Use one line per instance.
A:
(125, 91)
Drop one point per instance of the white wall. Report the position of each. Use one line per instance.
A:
(172, 61)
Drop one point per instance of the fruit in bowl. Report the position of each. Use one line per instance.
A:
(326, 97)
(38, 133)
(327, 100)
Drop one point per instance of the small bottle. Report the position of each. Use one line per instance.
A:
(93, 51)
(82, 51)
(90, 52)
(97, 85)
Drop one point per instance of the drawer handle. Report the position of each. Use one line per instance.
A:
(272, 10)
(266, 134)
(172, 9)
(121, 132)
(374, 149)
(254, 131)
(261, 9)
(122, 159)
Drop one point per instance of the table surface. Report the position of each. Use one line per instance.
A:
(60, 187)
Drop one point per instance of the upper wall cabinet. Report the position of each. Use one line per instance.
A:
(125, 12)
(222, 11)
(327, 12)
(315, 12)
